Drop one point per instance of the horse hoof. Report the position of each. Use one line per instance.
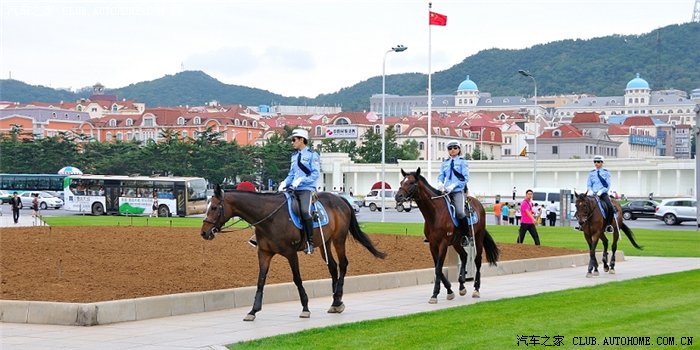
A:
(305, 314)
(606, 269)
(249, 317)
(596, 273)
(336, 309)
(589, 275)
(463, 291)
(476, 294)
(432, 301)
(612, 271)
(450, 296)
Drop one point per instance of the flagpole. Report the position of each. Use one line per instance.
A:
(430, 99)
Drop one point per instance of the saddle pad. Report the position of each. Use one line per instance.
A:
(601, 206)
(471, 218)
(315, 207)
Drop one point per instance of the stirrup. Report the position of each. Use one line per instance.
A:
(609, 229)
(253, 242)
(577, 228)
(309, 248)
(467, 241)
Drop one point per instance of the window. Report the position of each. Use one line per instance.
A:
(112, 122)
(148, 122)
(555, 149)
(94, 109)
(255, 123)
(342, 121)
(421, 146)
(397, 128)
(115, 107)
(245, 123)
(377, 130)
(318, 130)
(120, 136)
(184, 134)
(109, 136)
(79, 108)
(129, 122)
(53, 115)
(180, 121)
(507, 151)
(197, 120)
(556, 133)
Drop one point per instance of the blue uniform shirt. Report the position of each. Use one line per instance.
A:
(594, 183)
(312, 161)
(461, 167)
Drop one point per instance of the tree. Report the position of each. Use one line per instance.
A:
(476, 154)
(371, 149)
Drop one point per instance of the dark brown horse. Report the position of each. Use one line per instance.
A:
(276, 234)
(592, 223)
(440, 232)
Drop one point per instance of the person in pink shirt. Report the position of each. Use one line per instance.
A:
(527, 222)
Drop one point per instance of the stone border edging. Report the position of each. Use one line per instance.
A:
(124, 310)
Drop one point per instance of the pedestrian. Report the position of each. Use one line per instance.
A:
(505, 210)
(552, 213)
(517, 214)
(154, 206)
(513, 193)
(536, 213)
(511, 215)
(453, 179)
(497, 212)
(599, 184)
(35, 205)
(16, 204)
(528, 220)
(543, 215)
(303, 176)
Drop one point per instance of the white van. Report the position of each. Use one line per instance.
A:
(544, 196)
(373, 200)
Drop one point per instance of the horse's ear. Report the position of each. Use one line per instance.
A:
(575, 194)
(403, 173)
(218, 192)
(418, 171)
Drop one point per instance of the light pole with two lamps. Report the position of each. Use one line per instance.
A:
(398, 48)
(537, 129)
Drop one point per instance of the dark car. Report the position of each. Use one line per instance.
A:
(639, 209)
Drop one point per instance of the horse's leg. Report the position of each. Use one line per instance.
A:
(604, 238)
(463, 256)
(296, 276)
(478, 248)
(439, 251)
(264, 265)
(616, 236)
(592, 262)
(338, 306)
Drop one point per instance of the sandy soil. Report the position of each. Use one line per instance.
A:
(88, 264)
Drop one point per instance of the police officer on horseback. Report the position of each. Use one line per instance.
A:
(453, 178)
(599, 184)
(303, 175)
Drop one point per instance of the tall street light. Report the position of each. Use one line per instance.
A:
(537, 129)
(481, 148)
(398, 48)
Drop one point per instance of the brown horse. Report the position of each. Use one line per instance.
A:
(592, 223)
(276, 234)
(441, 232)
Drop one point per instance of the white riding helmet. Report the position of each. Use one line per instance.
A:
(300, 133)
(599, 158)
(454, 143)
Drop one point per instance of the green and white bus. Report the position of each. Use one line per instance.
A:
(133, 195)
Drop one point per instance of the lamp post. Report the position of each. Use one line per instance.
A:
(537, 129)
(481, 148)
(398, 48)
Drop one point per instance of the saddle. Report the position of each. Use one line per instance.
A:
(602, 205)
(318, 211)
(472, 218)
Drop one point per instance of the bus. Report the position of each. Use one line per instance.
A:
(21, 183)
(133, 195)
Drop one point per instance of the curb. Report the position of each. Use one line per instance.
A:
(125, 310)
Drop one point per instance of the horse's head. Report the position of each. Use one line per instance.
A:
(409, 186)
(584, 208)
(214, 218)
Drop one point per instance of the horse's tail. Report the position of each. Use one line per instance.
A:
(492, 251)
(630, 235)
(362, 237)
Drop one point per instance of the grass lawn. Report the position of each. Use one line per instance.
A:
(659, 306)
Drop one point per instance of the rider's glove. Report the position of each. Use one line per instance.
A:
(441, 187)
(449, 188)
(599, 193)
(283, 185)
(296, 182)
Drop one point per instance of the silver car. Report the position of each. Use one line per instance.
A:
(673, 211)
(45, 200)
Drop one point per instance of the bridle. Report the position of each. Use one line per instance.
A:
(588, 212)
(217, 225)
(413, 189)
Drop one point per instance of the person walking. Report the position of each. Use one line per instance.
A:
(552, 213)
(511, 215)
(599, 184)
(505, 210)
(16, 204)
(154, 206)
(528, 220)
(518, 215)
(35, 205)
(497, 212)
(453, 178)
(303, 176)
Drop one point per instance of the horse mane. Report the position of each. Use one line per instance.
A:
(427, 184)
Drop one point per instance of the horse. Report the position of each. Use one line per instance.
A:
(441, 232)
(590, 219)
(276, 234)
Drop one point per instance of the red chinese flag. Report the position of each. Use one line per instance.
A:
(437, 19)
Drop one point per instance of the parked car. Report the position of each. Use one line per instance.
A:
(673, 211)
(57, 194)
(354, 203)
(45, 200)
(5, 196)
(639, 209)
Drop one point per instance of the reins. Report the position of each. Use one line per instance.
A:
(221, 230)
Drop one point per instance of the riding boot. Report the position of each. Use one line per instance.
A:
(467, 238)
(609, 219)
(308, 226)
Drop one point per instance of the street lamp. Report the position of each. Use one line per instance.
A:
(537, 129)
(481, 148)
(398, 48)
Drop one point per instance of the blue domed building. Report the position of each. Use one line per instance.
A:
(467, 94)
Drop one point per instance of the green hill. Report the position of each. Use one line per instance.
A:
(666, 57)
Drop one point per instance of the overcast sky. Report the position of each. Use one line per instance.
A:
(294, 48)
